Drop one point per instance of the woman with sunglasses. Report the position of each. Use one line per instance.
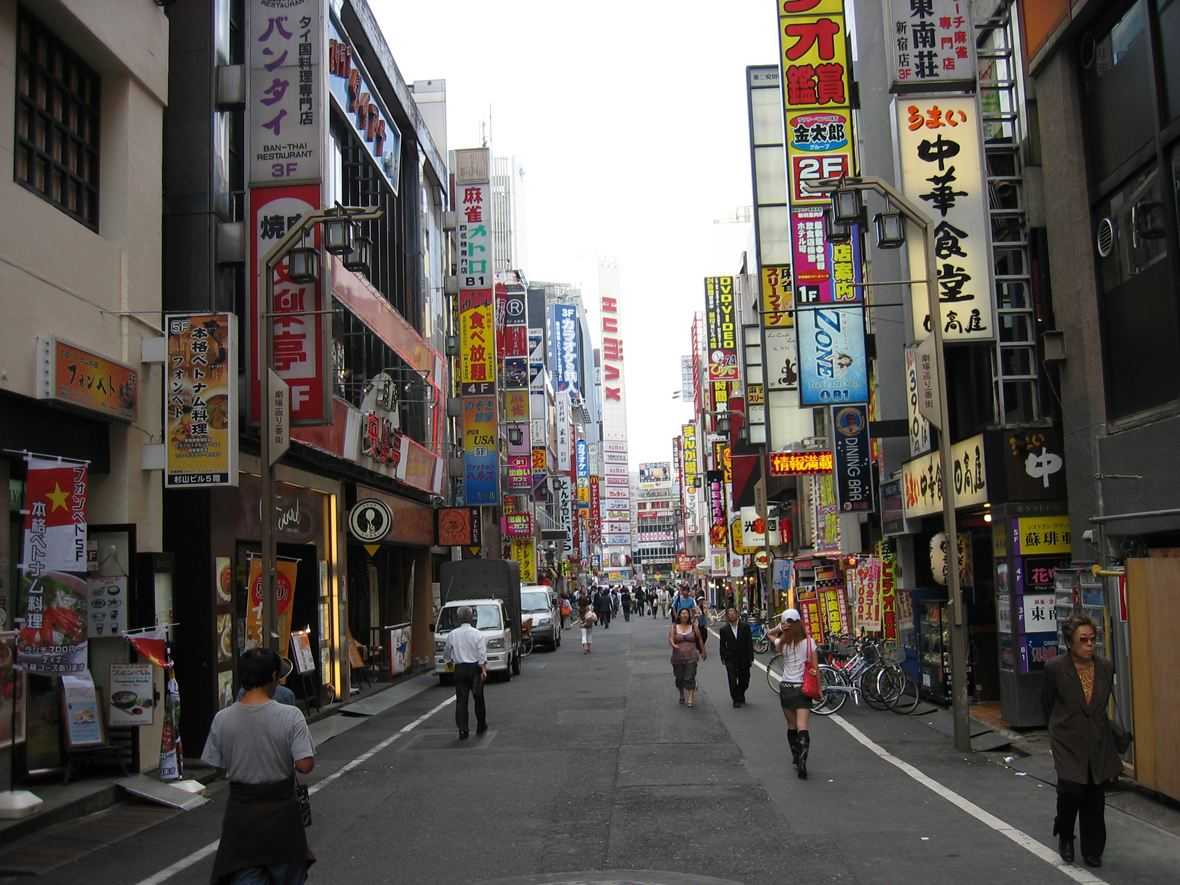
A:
(1075, 694)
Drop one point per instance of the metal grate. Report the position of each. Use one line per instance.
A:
(1015, 362)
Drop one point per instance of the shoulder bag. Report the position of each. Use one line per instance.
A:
(810, 676)
(303, 798)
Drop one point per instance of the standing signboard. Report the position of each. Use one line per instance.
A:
(939, 146)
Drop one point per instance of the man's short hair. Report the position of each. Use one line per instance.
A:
(257, 667)
(465, 614)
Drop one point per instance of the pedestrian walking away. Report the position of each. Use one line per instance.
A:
(260, 745)
(687, 650)
(467, 649)
(1086, 744)
(799, 654)
(737, 654)
(602, 607)
(625, 597)
(615, 601)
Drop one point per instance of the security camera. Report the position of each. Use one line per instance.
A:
(1088, 536)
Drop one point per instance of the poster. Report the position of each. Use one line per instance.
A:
(132, 700)
(200, 400)
(301, 655)
(833, 368)
(53, 638)
(171, 751)
(825, 514)
(286, 571)
(225, 579)
(834, 611)
(480, 451)
(107, 605)
(399, 649)
(225, 689)
(866, 578)
(809, 611)
(83, 717)
(225, 647)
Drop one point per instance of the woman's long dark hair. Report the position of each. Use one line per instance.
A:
(686, 612)
(793, 632)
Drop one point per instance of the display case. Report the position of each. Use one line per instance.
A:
(934, 649)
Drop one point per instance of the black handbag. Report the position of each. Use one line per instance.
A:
(303, 797)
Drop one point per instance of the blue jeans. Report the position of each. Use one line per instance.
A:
(277, 874)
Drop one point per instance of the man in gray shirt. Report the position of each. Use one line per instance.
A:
(261, 744)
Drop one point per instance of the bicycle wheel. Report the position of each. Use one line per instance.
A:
(868, 688)
(908, 698)
(831, 698)
(890, 680)
(761, 645)
(774, 672)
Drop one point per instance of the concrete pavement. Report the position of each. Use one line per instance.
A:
(592, 772)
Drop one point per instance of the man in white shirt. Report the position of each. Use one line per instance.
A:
(467, 649)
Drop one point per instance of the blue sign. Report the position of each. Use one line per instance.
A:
(566, 356)
(833, 367)
(354, 94)
(853, 461)
(583, 461)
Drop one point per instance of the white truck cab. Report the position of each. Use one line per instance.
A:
(491, 619)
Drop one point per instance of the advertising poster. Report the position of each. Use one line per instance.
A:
(83, 718)
(889, 596)
(718, 529)
(868, 594)
(834, 611)
(566, 355)
(939, 146)
(107, 605)
(825, 514)
(524, 551)
(477, 353)
(778, 301)
(782, 359)
(595, 511)
(286, 571)
(833, 367)
(299, 352)
(132, 700)
(399, 650)
(853, 459)
(825, 273)
(480, 456)
(516, 405)
(301, 654)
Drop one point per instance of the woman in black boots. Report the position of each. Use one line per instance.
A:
(1085, 744)
(799, 653)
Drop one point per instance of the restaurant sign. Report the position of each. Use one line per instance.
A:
(78, 377)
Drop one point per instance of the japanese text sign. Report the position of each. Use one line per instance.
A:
(777, 298)
(721, 326)
(70, 374)
(475, 237)
(1035, 535)
(922, 485)
(930, 44)
(825, 272)
(477, 344)
(200, 400)
(566, 357)
(480, 456)
(800, 463)
(285, 108)
(942, 170)
(854, 466)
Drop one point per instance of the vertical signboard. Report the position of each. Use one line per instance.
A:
(481, 469)
(825, 272)
(930, 45)
(563, 497)
(595, 511)
(200, 400)
(852, 458)
(616, 533)
(718, 529)
(721, 332)
(777, 298)
(566, 357)
(941, 160)
(919, 425)
(833, 365)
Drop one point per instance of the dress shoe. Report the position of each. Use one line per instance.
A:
(480, 729)
(463, 735)
(1092, 861)
(736, 705)
(739, 703)
(1065, 848)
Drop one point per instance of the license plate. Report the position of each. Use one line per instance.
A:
(449, 667)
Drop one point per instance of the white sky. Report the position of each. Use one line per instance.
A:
(629, 119)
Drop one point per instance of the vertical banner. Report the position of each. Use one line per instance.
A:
(825, 514)
(919, 425)
(852, 459)
(868, 593)
(888, 556)
(833, 365)
(477, 354)
(721, 332)
(595, 511)
(718, 528)
(286, 572)
(563, 495)
(566, 357)
(200, 400)
(939, 146)
(524, 551)
(812, 616)
(481, 469)
(778, 301)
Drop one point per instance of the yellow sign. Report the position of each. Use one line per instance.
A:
(74, 375)
(477, 337)
(1036, 535)
(200, 400)
(777, 297)
(286, 572)
(800, 463)
(524, 551)
(738, 541)
(692, 464)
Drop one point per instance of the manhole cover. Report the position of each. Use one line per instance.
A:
(614, 877)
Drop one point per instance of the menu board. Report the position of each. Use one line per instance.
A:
(133, 697)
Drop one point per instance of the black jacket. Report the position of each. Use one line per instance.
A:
(737, 651)
(602, 602)
(1079, 733)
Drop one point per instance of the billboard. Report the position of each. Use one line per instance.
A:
(922, 483)
(939, 149)
(833, 367)
(721, 332)
(200, 400)
(566, 357)
(654, 473)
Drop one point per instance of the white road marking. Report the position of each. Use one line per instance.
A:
(203, 852)
(1025, 841)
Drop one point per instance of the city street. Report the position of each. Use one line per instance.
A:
(591, 772)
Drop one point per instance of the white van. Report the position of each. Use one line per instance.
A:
(491, 619)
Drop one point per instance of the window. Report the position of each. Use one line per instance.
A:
(57, 115)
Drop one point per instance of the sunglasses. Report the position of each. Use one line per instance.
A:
(1087, 640)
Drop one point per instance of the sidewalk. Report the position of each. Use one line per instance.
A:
(64, 802)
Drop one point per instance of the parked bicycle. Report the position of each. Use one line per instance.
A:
(855, 668)
(758, 632)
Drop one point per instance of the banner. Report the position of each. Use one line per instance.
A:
(565, 355)
(866, 581)
(286, 571)
(834, 609)
(825, 514)
(812, 616)
(941, 161)
(200, 400)
(595, 511)
(171, 751)
(833, 367)
(55, 516)
(481, 484)
(853, 459)
(886, 551)
(151, 644)
(477, 354)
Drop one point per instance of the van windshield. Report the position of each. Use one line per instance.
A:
(487, 617)
(535, 601)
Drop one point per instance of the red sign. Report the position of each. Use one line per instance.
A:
(298, 349)
(800, 463)
(458, 526)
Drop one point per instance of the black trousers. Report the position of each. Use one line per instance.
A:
(604, 618)
(468, 681)
(1086, 803)
(739, 680)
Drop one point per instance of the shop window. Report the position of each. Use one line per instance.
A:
(1141, 329)
(1118, 90)
(58, 102)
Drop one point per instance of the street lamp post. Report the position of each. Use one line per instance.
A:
(917, 216)
(340, 220)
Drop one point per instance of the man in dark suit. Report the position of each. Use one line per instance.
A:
(737, 653)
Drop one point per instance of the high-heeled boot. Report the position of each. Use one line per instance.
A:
(804, 747)
(793, 740)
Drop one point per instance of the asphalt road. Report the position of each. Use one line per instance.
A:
(593, 773)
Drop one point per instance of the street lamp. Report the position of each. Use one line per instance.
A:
(303, 267)
(842, 204)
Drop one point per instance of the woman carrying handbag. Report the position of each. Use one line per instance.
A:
(800, 661)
